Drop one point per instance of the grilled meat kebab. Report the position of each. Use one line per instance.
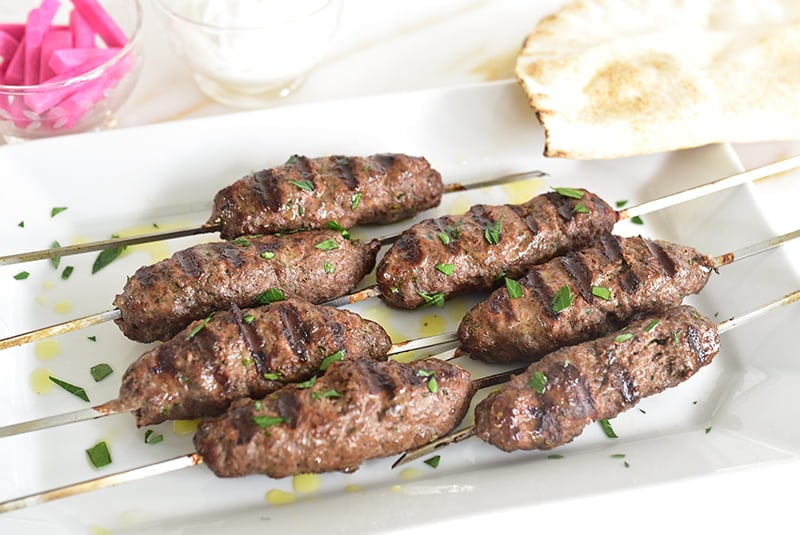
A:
(243, 353)
(357, 411)
(558, 396)
(161, 299)
(580, 296)
(456, 254)
(308, 193)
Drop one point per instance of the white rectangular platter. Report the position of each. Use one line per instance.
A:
(736, 413)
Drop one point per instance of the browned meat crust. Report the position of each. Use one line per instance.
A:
(244, 353)
(358, 410)
(557, 397)
(606, 284)
(308, 193)
(487, 243)
(161, 299)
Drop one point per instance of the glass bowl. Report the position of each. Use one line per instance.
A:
(246, 53)
(85, 96)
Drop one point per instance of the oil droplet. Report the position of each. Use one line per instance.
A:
(409, 473)
(48, 285)
(456, 310)
(353, 488)
(63, 307)
(41, 300)
(40, 381)
(306, 483)
(279, 497)
(158, 250)
(396, 488)
(97, 530)
(432, 324)
(47, 349)
(524, 190)
(185, 427)
(459, 206)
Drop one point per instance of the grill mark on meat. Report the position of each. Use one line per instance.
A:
(289, 407)
(622, 381)
(628, 280)
(534, 282)
(253, 341)
(480, 215)
(385, 161)
(502, 305)
(165, 361)
(376, 380)
(409, 248)
(295, 330)
(526, 217)
(563, 205)
(267, 190)
(610, 247)
(347, 172)
(664, 260)
(576, 267)
(303, 166)
(231, 255)
(189, 263)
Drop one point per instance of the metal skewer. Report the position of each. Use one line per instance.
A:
(115, 243)
(355, 297)
(469, 431)
(114, 407)
(163, 467)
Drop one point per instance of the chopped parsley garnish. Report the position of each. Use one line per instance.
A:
(248, 318)
(273, 295)
(708, 429)
(433, 385)
(580, 208)
(21, 224)
(55, 260)
(563, 299)
(57, 210)
(676, 338)
(538, 382)
(242, 241)
(150, 437)
(514, 288)
(327, 394)
(327, 245)
(99, 455)
(652, 325)
(617, 455)
(330, 359)
(355, 200)
(333, 225)
(267, 421)
(444, 237)
(447, 269)
(433, 462)
(22, 275)
(555, 456)
(199, 327)
(602, 292)
(92, 338)
(292, 159)
(106, 257)
(306, 384)
(305, 185)
(273, 376)
(67, 273)
(620, 204)
(624, 337)
(492, 232)
(607, 429)
(268, 255)
(328, 268)
(433, 298)
(100, 371)
(636, 220)
(569, 192)
(72, 389)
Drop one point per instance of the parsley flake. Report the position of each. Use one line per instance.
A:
(447, 269)
(620, 204)
(333, 225)
(267, 421)
(327, 394)
(305, 185)
(72, 389)
(328, 268)
(100, 371)
(57, 210)
(514, 288)
(273, 376)
(436, 299)
(636, 220)
(607, 429)
(624, 337)
(273, 295)
(355, 200)
(106, 257)
(563, 299)
(330, 359)
(22, 275)
(55, 260)
(444, 237)
(602, 292)
(652, 325)
(569, 192)
(199, 327)
(433, 462)
(492, 232)
(99, 455)
(67, 273)
(580, 208)
(306, 384)
(327, 245)
(150, 437)
(538, 382)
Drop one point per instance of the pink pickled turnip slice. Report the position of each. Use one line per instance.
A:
(69, 59)
(101, 22)
(41, 101)
(82, 33)
(8, 45)
(38, 24)
(54, 40)
(15, 30)
(15, 72)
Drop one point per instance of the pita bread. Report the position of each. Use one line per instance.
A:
(613, 78)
